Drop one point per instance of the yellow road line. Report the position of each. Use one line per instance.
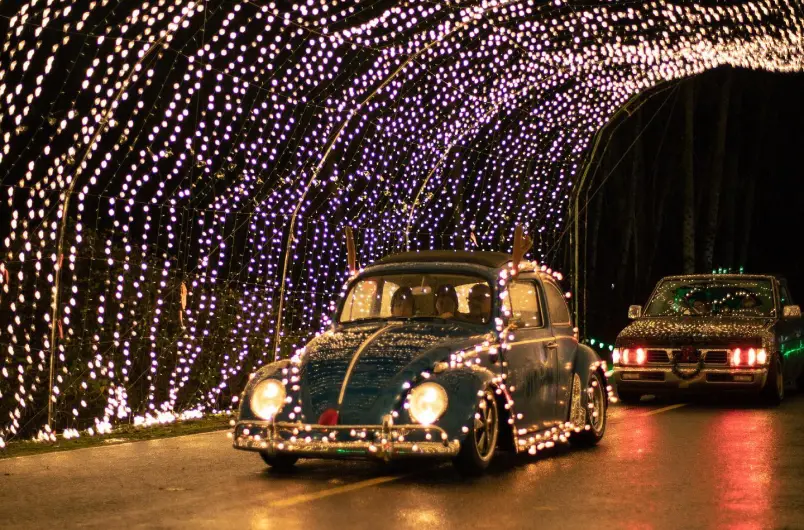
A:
(307, 497)
(664, 409)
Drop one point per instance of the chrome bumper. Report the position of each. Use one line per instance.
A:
(662, 378)
(384, 442)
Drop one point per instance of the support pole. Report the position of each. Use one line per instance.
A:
(314, 175)
(575, 239)
(54, 315)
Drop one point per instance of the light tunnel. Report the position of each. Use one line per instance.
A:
(171, 170)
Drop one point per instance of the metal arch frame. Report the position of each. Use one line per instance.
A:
(317, 170)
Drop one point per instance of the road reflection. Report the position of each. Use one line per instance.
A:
(638, 447)
(740, 450)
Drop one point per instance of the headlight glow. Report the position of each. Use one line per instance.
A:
(267, 398)
(427, 403)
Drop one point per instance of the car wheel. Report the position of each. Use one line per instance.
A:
(594, 416)
(628, 398)
(480, 443)
(280, 462)
(773, 391)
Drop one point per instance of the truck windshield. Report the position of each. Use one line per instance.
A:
(752, 298)
(455, 297)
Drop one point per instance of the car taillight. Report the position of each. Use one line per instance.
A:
(762, 356)
(736, 357)
(628, 356)
(749, 358)
(641, 356)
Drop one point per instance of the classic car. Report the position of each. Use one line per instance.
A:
(712, 333)
(440, 354)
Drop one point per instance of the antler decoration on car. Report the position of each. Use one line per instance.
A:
(350, 251)
(522, 243)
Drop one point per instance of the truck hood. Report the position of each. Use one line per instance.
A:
(696, 331)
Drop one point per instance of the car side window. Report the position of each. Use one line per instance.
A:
(785, 296)
(557, 306)
(525, 307)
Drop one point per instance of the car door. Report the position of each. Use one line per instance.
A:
(530, 368)
(563, 347)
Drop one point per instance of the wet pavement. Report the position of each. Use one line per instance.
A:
(662, 464)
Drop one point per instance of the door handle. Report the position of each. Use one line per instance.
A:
(552, 344)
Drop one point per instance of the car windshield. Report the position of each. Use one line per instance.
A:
(456, 297)
(706, 297)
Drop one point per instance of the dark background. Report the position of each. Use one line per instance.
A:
(634, 215)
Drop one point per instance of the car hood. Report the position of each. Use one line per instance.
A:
(700, 331)
(381, 356)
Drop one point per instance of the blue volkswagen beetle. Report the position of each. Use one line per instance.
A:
(432, 354)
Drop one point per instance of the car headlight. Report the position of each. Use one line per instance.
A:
(267, 398)
(427, 403)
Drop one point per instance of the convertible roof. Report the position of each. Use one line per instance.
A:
(487, 259)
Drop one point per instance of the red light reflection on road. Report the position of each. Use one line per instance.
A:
(741, 446)
(638, 447)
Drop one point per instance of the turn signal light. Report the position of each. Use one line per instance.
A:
(748, 358)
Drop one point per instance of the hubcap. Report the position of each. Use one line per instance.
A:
(577, 413)
(580, 413)
(486, 426)
(597, 415)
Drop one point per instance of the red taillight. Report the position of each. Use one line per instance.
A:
(641, 356)
(752, 357)
(632, 357)
(736, 357)
(762, 356)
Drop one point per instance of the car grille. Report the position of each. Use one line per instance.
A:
(692, 358)
(711, 357)
(717, 357)
(658, 356)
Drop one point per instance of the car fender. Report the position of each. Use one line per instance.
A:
(588, 361)
(272, 370)
(462, 386)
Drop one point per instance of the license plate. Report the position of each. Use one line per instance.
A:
(630, 376)
(743, 378)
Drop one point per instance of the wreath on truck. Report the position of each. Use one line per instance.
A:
(685, 375)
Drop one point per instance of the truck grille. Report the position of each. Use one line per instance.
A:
(712, 357)
(658, 356)
(692, 358)
(716, 357)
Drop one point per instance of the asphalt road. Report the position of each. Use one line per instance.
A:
(661, 465)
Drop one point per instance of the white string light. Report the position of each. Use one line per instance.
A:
(189, 131)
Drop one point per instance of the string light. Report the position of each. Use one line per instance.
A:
(153, 151)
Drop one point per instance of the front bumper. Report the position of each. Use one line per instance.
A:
(661, 379)
(383, 442)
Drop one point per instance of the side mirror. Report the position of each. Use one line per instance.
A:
(791, 311)
(634, 311)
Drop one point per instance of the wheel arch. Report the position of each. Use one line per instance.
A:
(588, 361)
